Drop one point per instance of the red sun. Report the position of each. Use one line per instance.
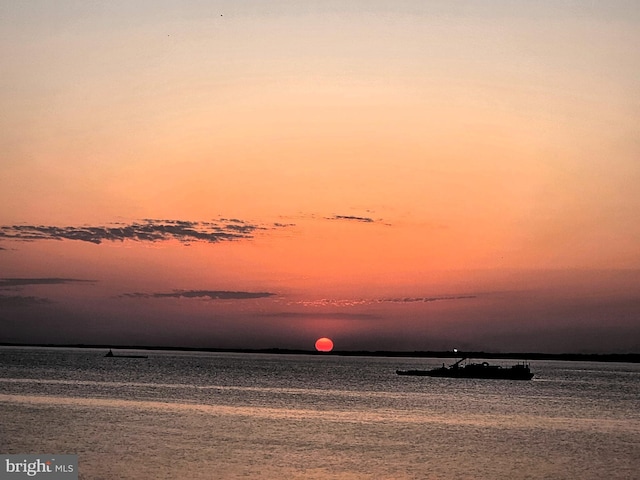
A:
(324, 344)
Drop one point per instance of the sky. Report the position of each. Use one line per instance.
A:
(393, 175)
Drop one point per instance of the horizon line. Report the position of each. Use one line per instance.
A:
(629, 357)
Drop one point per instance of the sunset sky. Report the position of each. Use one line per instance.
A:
(393, 175)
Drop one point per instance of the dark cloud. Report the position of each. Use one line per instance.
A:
(17, 284)
(351, 218)
(147, 230)
(210, 294)
(21, 282)
(22, 301)
(426, 299)
(328, 315)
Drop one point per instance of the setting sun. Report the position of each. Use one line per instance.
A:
(324, 344)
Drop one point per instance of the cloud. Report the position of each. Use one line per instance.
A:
(354, 302)
(21, 282)
(28, 301)
(351, 218)
(147, 230)
(20, 301)
(425, 299)
(326, 315)
(358, 219)
(210, 294)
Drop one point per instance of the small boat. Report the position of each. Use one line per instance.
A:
(110, 354)
(521, 371)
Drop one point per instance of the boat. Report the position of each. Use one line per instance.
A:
(110, 354)
(520, 371)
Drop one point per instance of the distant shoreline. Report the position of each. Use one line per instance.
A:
(577, 357)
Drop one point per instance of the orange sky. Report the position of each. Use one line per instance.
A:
(393, 175)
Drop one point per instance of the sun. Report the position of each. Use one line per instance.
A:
(324, 344)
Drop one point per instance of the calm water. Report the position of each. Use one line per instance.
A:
(225, 416)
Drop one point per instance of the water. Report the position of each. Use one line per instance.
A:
(179, 415)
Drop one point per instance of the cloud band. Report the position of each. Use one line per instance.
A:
(148, 230)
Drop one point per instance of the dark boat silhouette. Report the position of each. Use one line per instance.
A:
(110, 355)
(520, 371)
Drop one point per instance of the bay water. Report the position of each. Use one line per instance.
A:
(197, 415)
